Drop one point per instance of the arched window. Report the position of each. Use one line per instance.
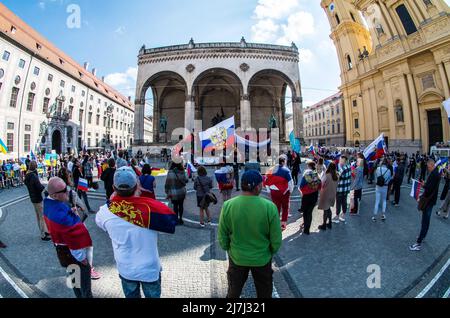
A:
(352, 16)
(349, 62)
(338, 20)
(406, 19)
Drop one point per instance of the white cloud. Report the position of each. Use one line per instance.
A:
(306, 56)
(275, 9)
(124, 82)
(265, 31)
(42, 5)
(121, 30)
(299, 25)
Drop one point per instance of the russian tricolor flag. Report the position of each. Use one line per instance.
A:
(415, 190)
(312, 150)
(219, 137)
(376, 150)
(83, 185)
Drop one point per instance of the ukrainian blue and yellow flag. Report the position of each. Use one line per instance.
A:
(3, 148)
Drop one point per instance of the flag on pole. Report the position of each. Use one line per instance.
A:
(415, 190)
(446, 105)
(83, 185)
(295, 142)
(219, 136)
(376, 149)
(441, 164)
(312, 150)
(33, 157)
(3, 148)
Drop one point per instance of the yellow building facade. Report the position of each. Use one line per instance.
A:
(394, 57)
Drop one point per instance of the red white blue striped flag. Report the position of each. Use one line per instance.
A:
(415, 190)
(83, 185)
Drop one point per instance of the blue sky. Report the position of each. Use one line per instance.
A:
(112, 32)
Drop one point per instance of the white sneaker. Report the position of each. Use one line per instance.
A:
(336, 220)
(202, 225)
(415, 248)
(342, 218)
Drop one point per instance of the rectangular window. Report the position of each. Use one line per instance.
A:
(50, 78)
(73, 89)
(356, 123)
(92, 97)
(104, 121)
(90, 118)
(14, 94)
(10, 126)
(117, 124)
(80, 117)
(27, 127)
(27, 143)
(99, 101)
(36, 71)
(70, 112)
(45, 105)
(406, 19)
(10, 142)
(83, 93)
(89, 142)
(62, 84)
(355, 103)
(6, 56)
(22, 63)
(30, 102)
(97, 121)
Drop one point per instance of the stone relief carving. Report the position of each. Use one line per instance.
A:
(190, 68)
(244, 67)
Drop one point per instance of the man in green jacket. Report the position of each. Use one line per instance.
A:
(250, 231)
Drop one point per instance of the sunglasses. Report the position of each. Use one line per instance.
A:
(62, 191)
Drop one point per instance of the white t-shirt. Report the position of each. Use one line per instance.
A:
(135, 248)
(70, 166)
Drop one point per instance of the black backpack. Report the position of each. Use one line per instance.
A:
(380, 180)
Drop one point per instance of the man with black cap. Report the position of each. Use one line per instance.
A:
(250, 231)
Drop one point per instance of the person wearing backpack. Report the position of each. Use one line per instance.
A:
(382, 176)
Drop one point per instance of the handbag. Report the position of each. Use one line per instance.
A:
(207, 199)
(64, 256)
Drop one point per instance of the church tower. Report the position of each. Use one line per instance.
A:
(395, 70)
(349, 34)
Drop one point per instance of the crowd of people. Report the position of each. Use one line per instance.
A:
(328, 181)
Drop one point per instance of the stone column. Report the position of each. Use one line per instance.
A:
(246, 112)
(407, 109)
(415, 107)
(189, 113)
(139, 114)
(297, 107)
(444, 78)
(391, 25)
(390, 106)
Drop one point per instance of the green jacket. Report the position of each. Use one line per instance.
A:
(250, 230)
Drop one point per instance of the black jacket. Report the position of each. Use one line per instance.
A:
(432, 187)
(108, 179)
(34, 186)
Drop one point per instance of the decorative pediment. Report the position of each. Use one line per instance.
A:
(431, 95)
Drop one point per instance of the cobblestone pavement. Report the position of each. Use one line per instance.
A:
(330, 264)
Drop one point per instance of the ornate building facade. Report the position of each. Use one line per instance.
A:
(49, 102)
(196, 82)
(324, 122)
(394, 57)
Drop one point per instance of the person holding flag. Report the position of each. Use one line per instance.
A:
(427, 202)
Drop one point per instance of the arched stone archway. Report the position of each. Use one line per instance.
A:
(267, 92)
(57, 141)
(217, 92)
(168, 97)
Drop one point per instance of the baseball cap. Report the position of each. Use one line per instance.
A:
(125, 178)
(252, 178)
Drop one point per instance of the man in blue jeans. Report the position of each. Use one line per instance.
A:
(135, 248)
(431, 195)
